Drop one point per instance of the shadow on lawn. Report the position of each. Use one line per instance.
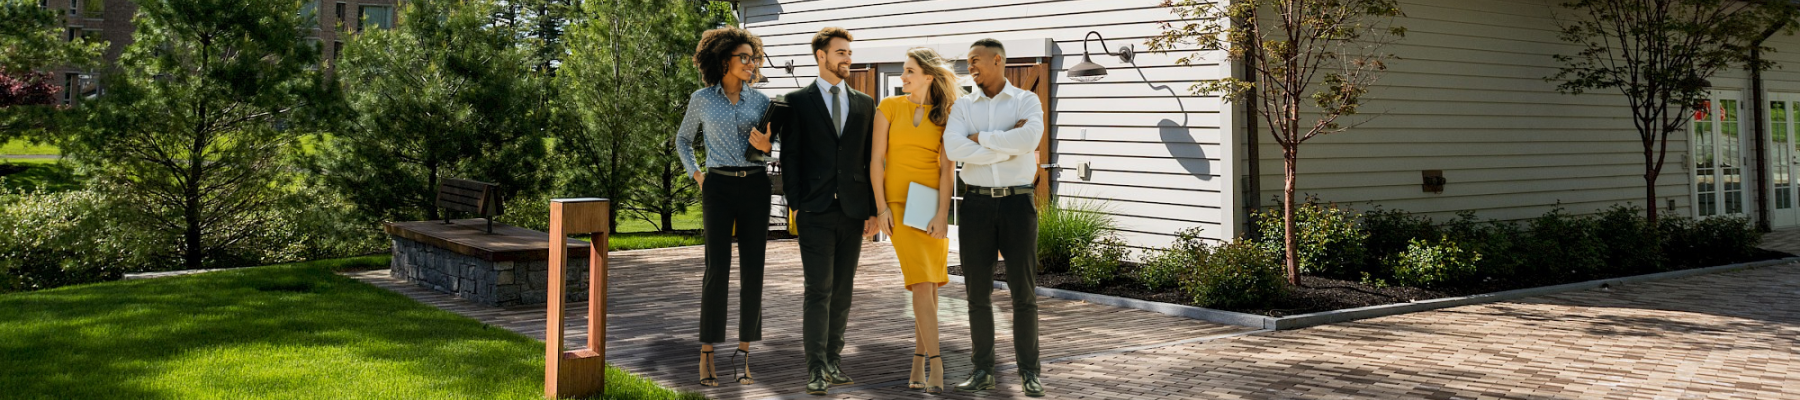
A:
(281, 331)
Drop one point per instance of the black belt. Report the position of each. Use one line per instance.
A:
(1000, 191)
(735, 171)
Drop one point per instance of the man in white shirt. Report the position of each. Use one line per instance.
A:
(994, 131)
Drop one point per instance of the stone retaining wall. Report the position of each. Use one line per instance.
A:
(494, 283)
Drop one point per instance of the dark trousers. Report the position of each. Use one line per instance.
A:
(1009, 225)
(725, 201)
(830, 245)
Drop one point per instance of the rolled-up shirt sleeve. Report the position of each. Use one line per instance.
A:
(958, 147)
(684, 136)
(1022, 140)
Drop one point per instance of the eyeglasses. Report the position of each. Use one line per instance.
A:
(747, 59)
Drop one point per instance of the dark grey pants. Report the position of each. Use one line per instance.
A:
(830, 245)
(1009, 225)
(725, 201)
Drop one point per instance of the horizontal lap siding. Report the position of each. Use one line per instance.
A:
(1155, 149)
(1468, 96)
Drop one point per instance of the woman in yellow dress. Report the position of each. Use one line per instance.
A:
(908, 148)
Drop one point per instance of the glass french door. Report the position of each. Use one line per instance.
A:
(1718, 156)
(1784, 159)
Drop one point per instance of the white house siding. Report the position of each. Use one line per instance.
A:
(1468, 96)
(1154, 149)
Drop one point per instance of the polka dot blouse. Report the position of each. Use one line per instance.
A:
(725, 125)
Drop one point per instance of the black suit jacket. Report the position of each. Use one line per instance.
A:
(816, 163)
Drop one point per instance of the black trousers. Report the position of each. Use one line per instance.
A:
(1009, 225)
(830, 246)
(726, 201)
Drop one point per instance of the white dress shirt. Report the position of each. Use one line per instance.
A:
(1005, 156)
(843, 98)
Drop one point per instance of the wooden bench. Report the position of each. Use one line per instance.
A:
(479, 198)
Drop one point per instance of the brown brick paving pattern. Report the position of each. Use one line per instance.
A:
(1724, 336)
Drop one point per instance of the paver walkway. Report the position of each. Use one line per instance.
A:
(654, 311)
(1729, 335)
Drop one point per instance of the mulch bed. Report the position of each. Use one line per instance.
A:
(1314, 294)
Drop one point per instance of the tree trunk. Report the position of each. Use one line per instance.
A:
(1290, 157)
(192, 250)
(668, 198)
(612, 175)
(431, 180)
(1650, 174)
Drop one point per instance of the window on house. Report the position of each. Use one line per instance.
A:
(94, 8)
(309, 14)
(337, 49)
(70, 82)
(74, 33)
(340, 16)
(380, 17)
(74, 5)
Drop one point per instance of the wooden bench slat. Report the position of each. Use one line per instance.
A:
(460, 192)
(469, 196)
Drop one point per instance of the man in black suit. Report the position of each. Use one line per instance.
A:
(824, 133)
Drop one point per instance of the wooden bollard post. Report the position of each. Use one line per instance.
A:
(579, 372)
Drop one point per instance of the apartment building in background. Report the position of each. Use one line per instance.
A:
(110, 20)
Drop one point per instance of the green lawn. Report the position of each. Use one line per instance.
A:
(49, 174)
(689, 221)
(651, 240)
(635, 234)
(19, 147)
(295, 331)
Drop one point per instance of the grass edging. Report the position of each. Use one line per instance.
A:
(1352, 314)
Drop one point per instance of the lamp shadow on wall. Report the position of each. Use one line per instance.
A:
(1178, 137)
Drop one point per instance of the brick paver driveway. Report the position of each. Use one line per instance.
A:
(1731, 335)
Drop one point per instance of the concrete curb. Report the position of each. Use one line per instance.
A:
(1352, 314)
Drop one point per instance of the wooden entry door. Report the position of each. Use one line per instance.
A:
(1033, 75)
(862, 79)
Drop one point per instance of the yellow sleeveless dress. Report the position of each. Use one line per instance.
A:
(912, 156)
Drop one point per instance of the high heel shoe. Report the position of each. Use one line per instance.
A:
(744, 379)
(708, 376)
(939, 388)
(917, 368)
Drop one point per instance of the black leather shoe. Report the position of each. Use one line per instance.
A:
(978, 380)
(818, 384)
(1029, 381)
(836, 376)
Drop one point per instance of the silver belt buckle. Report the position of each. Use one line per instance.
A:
(998, 192)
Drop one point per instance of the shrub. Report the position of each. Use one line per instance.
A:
(1165, 268)
(1238, 274)
(316, 223)
(1429, 264)
(1099, 263)
(1561, 246)
(1389, 231)
(1065, 228)
(1326, 238)
(1497, 241)
(54, 239)
(1690, 243)
(1631, 243)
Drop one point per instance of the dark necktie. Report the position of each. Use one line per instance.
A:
(837, 110)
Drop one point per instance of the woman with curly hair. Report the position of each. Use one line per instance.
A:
(726, 113)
